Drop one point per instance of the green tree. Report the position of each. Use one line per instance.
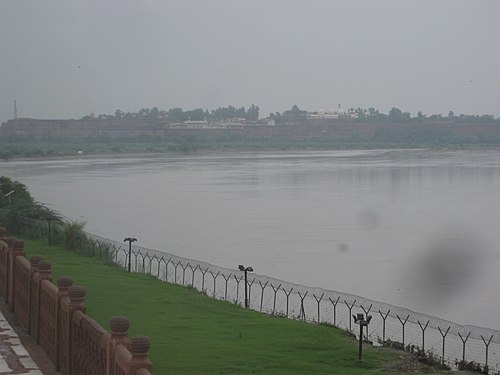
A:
(17, 205)
(396, 115)
(295, 114)
(253, 113)
(176, 114)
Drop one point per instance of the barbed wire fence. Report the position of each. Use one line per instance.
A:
(447, 341)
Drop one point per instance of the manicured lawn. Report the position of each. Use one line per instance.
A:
(194, 334)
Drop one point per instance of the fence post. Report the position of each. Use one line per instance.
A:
(423, 328)
(150, 262)
(318, 300)
(403, 323)
(444, 338)
(203, 279)
(16, 250)
(192, 276)
(34, 260)
(139, 347)
(302, 311)
(76, 294)
(366, 311)
(287, 298)
(463, 344)
(487, 344)
(175, 270)
(9, 241)
(227, 280)
(350, 313)
(3, 262)
(119, 336)
(166, 268)
(334, 310)
(215, 279)
(237, 288)
(250, 290)
(262, 294)
(275, 291)
(184, 272)
(44, 273)
(384, 318)
(63, 284)
(159, 267)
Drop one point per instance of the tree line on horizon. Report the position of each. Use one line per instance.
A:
(294, 114)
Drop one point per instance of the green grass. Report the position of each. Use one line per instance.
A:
(191, 333)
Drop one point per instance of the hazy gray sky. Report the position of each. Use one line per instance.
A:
(66, 59)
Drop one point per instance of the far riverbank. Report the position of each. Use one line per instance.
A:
(40, 150)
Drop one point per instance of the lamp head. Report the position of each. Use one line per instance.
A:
(250, 269)
(241, 268)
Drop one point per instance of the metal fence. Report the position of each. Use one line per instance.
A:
(450, 342)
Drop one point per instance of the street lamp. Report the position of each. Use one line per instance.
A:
(246, 270)
(49, 220)
(360, 319)
(129, 240)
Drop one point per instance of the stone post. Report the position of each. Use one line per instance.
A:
(45, 270)
(139, 347)
(34, 260)
(63, 284)
(10, 240)
(119, 330)
(44, 273)
(76, 294)
(119, 336)
(3, 263)
(16, 250)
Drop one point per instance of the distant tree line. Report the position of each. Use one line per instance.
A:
(397, 115)
(178, 115)
(294, 114)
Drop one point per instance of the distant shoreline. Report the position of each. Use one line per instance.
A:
(37, 151)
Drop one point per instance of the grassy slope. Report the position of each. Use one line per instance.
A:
(194, 334)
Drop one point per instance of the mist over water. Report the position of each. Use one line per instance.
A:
(413, 228)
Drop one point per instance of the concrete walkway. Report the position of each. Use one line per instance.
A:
(14, 358)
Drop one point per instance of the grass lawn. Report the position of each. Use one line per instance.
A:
(191, 333)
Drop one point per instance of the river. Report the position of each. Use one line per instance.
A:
(414, 228)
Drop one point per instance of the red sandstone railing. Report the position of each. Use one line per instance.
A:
(55, 317)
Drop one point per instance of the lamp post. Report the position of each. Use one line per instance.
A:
(360, 319)
(129, 240)
(245, 270)
(49, 220)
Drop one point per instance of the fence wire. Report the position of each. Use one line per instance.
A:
(407, 329)
(441, 338)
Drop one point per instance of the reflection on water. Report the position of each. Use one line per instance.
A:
(413, 228)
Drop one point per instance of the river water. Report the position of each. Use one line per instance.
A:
(414, 228)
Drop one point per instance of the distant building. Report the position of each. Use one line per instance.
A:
(190, 124)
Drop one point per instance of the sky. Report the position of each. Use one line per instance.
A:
(67, 59)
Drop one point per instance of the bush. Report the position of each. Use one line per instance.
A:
(72, 232)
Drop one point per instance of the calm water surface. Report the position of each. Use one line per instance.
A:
(415, 228)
